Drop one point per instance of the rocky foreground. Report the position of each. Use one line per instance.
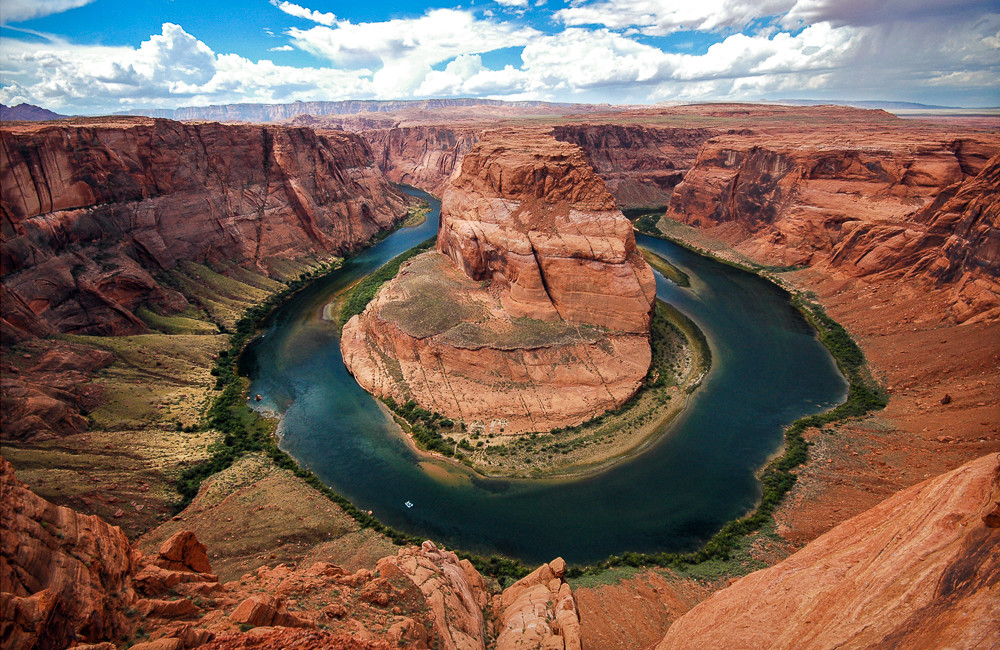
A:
(68, 579)
(533, 312)
(920, 570)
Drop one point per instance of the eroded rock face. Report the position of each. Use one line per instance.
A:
(51, 394)
(528, 213)
(533, 313)
(454, 590)
(422, 156)
(98, 209)
(640, 164)
(873, 205)
(64, 576)
(538, 611)
(920, 570)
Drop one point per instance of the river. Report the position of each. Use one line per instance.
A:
(768, 370)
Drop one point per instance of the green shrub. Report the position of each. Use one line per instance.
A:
(362, 293)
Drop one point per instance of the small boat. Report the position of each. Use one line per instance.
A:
(408, 504)
(259, 397)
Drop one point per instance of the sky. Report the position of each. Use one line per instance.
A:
(104, 56)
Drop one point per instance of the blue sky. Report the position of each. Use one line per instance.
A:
(101, 56)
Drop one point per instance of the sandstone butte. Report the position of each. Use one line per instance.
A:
(94, 210)
(69, 579)
(534, 310)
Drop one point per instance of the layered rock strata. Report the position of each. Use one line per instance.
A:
(533, 312)
(93, 211)
(920, 570)
(422, 156)
(640, 164)
(538, 611)
(874, 205)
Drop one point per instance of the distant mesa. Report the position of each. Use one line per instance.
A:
(281, 112)
(533, 312)
(27, 113)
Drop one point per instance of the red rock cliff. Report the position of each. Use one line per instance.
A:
(92, 211)
(640, 164)
(528, 213)
(422, 156)
(866, 204)
(67, 578)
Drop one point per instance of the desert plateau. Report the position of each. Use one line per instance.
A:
(519, 326)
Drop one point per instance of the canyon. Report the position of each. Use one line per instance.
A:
(891, 223)
(108, 225)
(536, 271)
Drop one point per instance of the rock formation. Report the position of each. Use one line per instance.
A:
(920, 570)
(538, 611)
(47, 398)
(954, 240)
(93, 211)
(867, 204)
(63, 576)
(68, 578)
(534, 312)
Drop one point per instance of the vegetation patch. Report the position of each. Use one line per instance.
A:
(357, 297)
(416, 214)
(669, 271)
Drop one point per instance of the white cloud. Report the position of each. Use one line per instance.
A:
(281, 48)
(466, 76)
(513, 3)
(13, 11)
(308, 14)
(580, 58)
(169, 69)
(661, 17)
(867, 12)
(437, 36)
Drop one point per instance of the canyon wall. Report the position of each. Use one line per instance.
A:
(422, 156)
(640, 164)
(920, 570)
(92, 212)
(876, 205)
(541, 301)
